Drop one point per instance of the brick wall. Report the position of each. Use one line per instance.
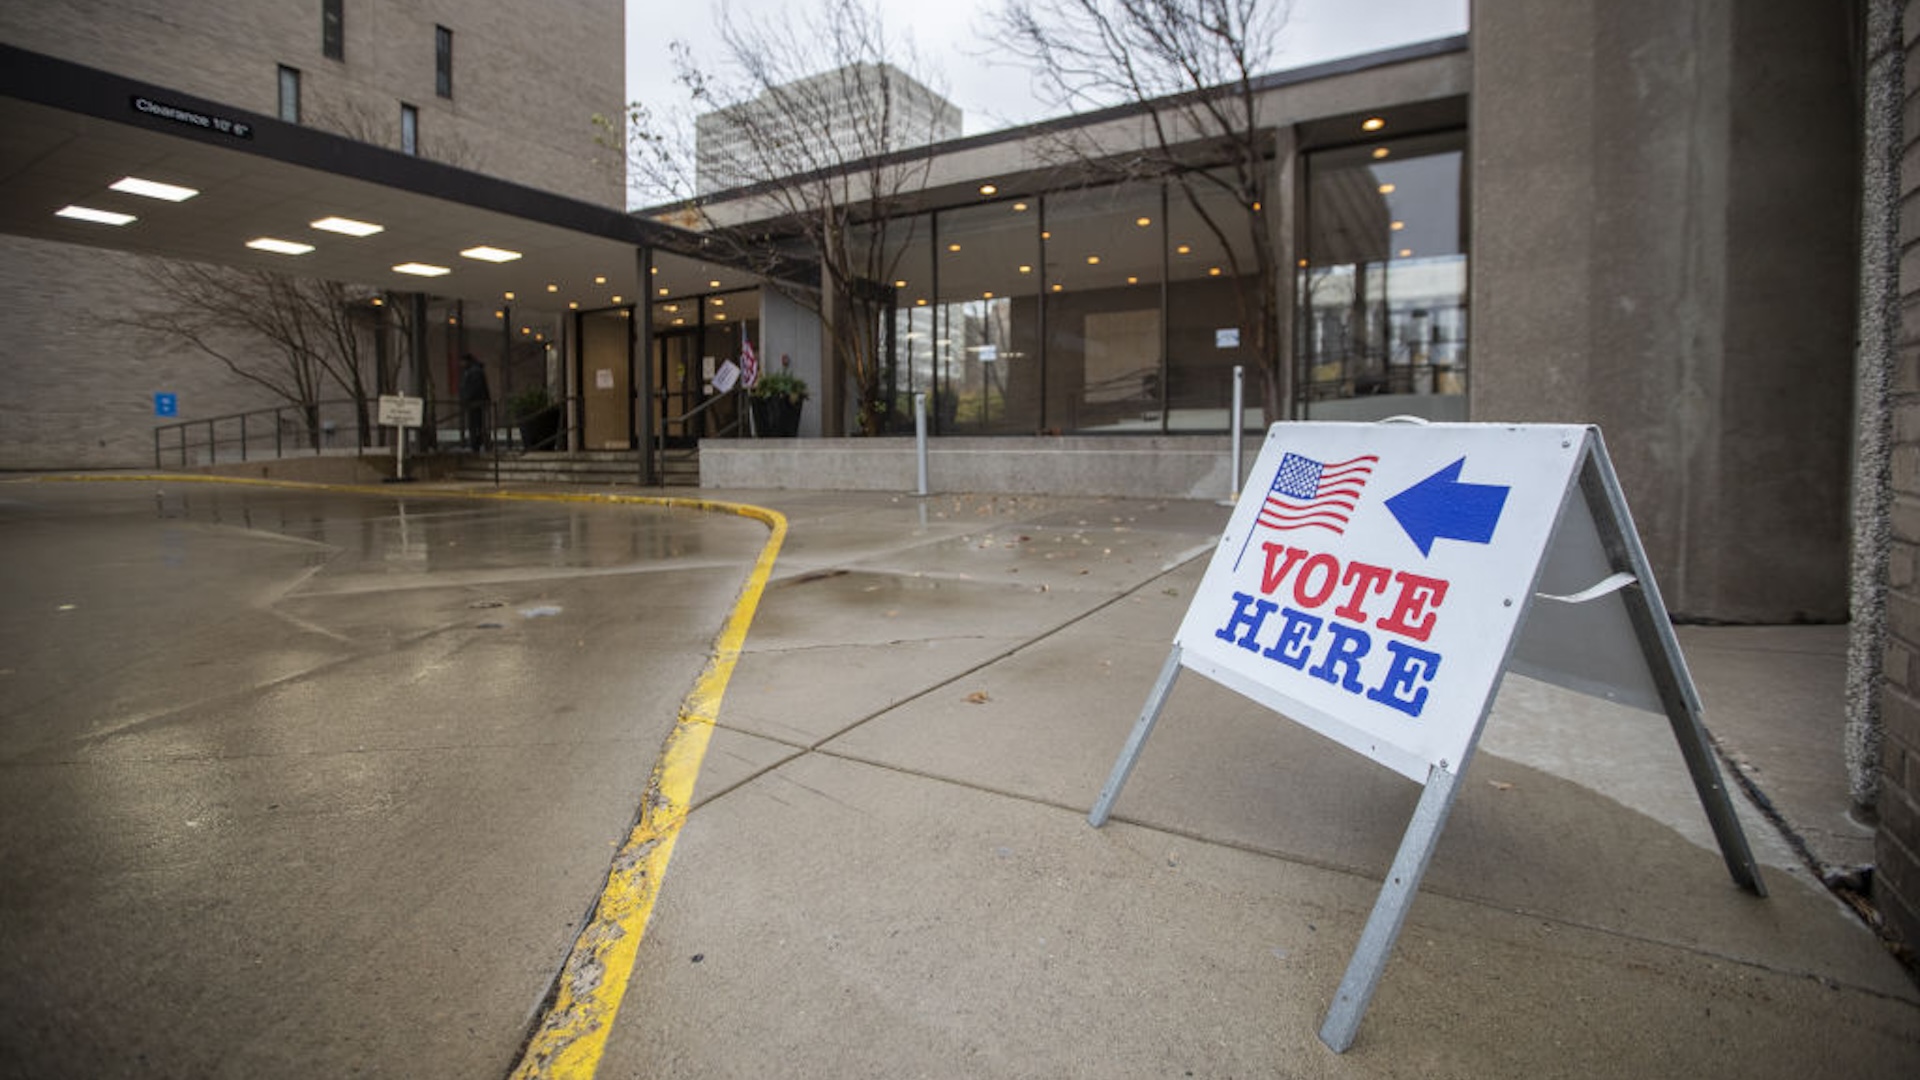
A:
(1897, 885)
(78, 380)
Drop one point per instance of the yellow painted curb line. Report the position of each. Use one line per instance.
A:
(572, 1034)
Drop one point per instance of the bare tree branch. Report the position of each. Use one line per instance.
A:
(820, 110)
(1190, 67)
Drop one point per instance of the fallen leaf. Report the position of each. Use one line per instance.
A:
(978, 697)
(1499, 785)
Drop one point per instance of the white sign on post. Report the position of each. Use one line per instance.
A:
(399, 411)
(1372, 585)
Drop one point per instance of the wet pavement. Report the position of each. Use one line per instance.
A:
(323, 784)
(320, 785)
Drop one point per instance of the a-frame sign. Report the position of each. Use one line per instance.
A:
(1376, 581)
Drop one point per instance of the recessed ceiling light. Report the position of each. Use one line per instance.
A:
(664, 290)
(1131, 280)
(722, 317)
(1380, 152)
(599, 279)
(1143, 222)
(922, 302)
(1213, 271)
(901, 284)
(573, 305)
(713, 284)
(1406, 253)
(1372, 123)
(347, 226)
(508, 295)
(1019, 207)
(552, 287)
(1057, 286)
(1386, 189)
(616, 299)
(1183, 249)
(421, 270)
(953, 247)
(988, 295)
(989, 189)
(490, 254)
(1025, 268)
(719, 301)
(1397, 226)
(279, 247)
(98, 217)
(153, 189)
(1093, 260)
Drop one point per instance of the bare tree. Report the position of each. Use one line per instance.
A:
(292, 336)
(1190, 69)
(814, 136)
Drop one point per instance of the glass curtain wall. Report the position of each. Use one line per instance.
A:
(1104, 309)
(1212, 305)
(1382, 284)
(1118, 308)
(984, 348)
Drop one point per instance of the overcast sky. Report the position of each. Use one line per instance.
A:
(992, 97)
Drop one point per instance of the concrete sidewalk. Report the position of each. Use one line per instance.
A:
(889, 873)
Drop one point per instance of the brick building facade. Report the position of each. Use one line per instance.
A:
(512, 95)
(1897, 884)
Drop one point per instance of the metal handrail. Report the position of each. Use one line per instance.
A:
(296, 431)
(315, 425)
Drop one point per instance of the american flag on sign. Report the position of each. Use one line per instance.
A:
(1309, 494)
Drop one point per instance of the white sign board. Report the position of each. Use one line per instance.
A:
(1371, 584)
(726, 377)
(400, 411)
(1371, 578)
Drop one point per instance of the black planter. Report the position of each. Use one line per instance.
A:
(776, 417)
(541, 430)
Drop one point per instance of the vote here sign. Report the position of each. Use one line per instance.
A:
(1372, 576)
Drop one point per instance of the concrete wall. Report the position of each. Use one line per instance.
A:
(526, 81)
(1148, 467)
(1663, 244)
(791, 330)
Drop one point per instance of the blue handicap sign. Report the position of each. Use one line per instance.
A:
(166, 405)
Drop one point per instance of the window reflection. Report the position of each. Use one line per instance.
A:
(1382, 284)
(1102, 280)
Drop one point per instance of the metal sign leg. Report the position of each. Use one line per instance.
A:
(1390, 911)
(1149, 716)
(1668, 665)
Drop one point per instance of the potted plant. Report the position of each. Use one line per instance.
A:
(533, 409)
(776, 400)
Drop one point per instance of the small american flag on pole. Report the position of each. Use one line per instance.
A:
(1309, 494)
(749, 363)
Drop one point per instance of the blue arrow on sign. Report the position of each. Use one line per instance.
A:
(1442, 507)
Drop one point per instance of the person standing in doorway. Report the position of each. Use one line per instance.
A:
(475, 401)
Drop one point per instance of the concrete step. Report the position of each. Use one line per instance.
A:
(588, 467)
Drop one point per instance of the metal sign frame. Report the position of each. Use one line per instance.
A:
(1593, 535)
